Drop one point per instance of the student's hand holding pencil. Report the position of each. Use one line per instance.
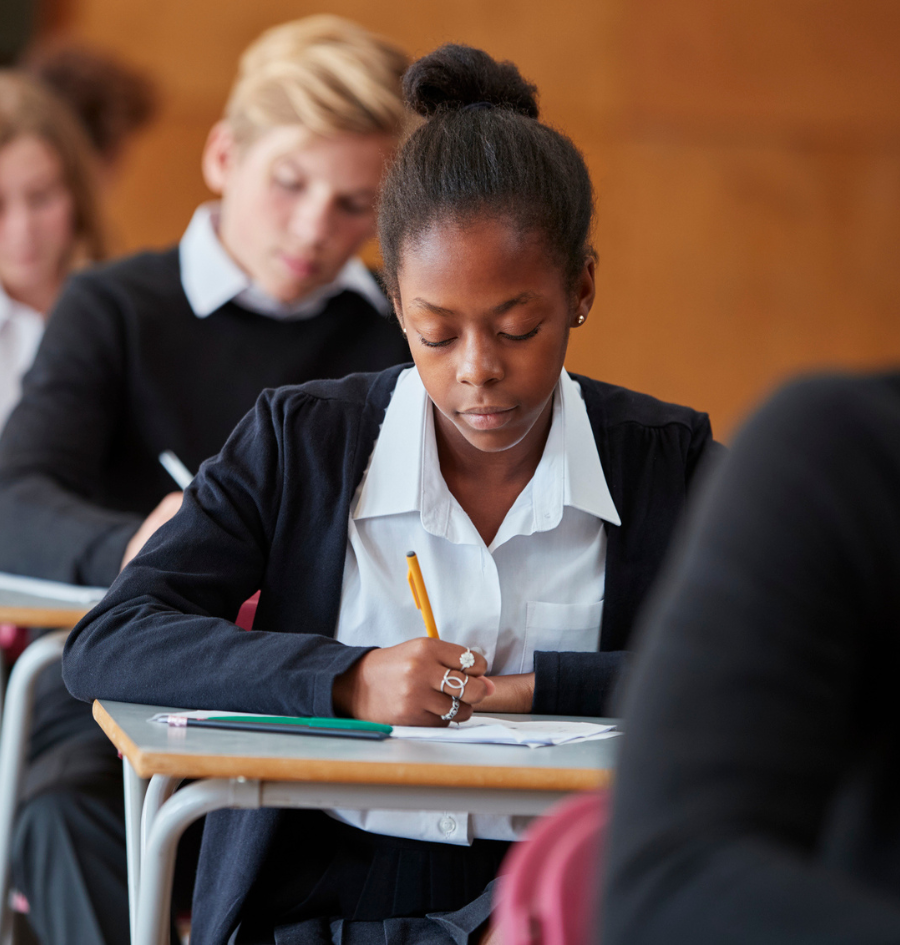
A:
(401, 685)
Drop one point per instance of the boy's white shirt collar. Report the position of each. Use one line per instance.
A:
(404, 472)
(10, 308)
(210, 277)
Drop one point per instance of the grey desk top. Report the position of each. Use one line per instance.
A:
(153, 748)
(21, 599)
(37, 603)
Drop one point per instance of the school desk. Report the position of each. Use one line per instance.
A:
(32, 610)
(251, 770)
(25, 610)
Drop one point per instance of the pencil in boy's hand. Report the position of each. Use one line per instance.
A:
(176, 469)
(420, 594)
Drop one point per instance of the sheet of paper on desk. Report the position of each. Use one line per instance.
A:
(51, 590)
(482, 729)
(490, 731)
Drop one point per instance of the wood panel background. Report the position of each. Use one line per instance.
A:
(746, 157)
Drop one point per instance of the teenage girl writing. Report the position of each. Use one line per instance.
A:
(539, 506)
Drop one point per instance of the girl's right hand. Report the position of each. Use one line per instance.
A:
(401, 685)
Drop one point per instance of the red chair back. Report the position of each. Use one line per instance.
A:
(550, 881)
(247, 613)
(13, 641)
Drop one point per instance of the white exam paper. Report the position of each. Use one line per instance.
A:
(485, 730)
(481, 730)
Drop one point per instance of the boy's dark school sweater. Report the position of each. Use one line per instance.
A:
(127, 370)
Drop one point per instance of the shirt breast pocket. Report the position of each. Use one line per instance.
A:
(560, 627)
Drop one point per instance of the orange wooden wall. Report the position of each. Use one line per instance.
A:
(746, 156)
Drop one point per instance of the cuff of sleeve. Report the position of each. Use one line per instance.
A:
(546, 683)
(576, 683)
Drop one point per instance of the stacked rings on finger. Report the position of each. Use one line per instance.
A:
(453, 710)
(454, 684)
(467, 659)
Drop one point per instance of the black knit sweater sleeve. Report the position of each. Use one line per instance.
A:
(127, 370)
(756, 799)
(56, 443)
(164, 634)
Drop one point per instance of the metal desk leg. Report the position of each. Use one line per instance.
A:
(158, 863)
(2, 685)
(135, 789)
(14, 744)
(160, 790)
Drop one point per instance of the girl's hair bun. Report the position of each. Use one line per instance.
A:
(454, 76)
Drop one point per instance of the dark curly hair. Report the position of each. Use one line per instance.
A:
(481, 151)
(113, 100)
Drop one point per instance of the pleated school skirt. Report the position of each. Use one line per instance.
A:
(327, 882)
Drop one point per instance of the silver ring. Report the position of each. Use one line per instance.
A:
(454, 683)
(453, 710)
(467, 659)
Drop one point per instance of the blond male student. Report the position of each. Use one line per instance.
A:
(167, 351)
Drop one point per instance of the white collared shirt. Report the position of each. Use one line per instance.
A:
(539, 586)
(21, 329)
(210, 277)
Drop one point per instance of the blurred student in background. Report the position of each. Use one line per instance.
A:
(112, 100)
(167, 351)
(758, 797)
(48, 218)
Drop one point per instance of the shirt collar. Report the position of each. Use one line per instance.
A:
(404, 471)
(393, 481)
(585, 482)
(10, 309)
(6, 306)
(211, 278)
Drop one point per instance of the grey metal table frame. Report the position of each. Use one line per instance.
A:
(389, 775)
(16, 706)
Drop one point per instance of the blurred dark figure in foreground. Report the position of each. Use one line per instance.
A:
(758, 798)
(113, 100)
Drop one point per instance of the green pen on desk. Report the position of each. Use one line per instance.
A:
(289, 725)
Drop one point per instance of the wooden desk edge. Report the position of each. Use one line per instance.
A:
(148, 763)
(112, 731)
(55, 617)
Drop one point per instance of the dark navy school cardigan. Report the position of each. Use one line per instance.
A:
(271, 512)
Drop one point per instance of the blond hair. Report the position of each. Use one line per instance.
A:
(28, 108)
(328, 74)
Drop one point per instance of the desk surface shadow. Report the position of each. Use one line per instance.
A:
(152, 748)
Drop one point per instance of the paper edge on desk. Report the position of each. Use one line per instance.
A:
(52, 590)
(527, 733)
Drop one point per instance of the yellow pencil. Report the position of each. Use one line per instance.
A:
(420, 594)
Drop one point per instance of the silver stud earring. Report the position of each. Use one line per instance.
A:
(580, 320)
